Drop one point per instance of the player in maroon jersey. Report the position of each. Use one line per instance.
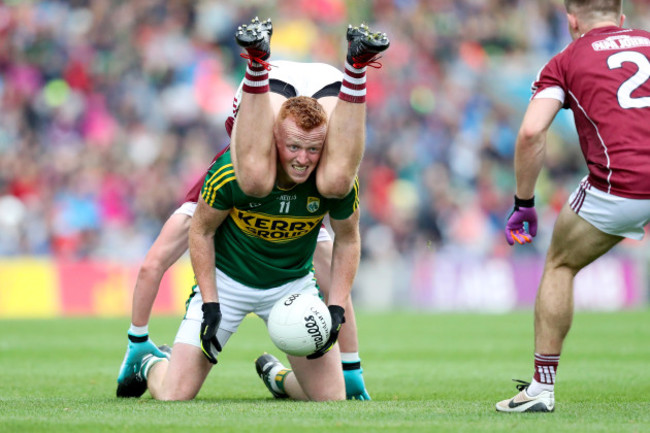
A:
(603, 76)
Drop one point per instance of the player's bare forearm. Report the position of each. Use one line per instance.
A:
(529, 160)
(144, 296)
(345, 258)
(530, 148)
(322, 266)
(205, 222)
(168, 247)
(145, 291)
(344, 269)
(202, 257)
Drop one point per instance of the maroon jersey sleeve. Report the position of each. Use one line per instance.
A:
(604, 78)
(550, 83)
(192, 195)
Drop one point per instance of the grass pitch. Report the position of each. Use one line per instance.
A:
(425, 372)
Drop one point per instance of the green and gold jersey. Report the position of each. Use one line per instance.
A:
(269, 241)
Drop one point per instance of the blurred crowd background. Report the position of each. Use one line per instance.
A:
(111, 110)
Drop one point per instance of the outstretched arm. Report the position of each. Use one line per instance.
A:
(168, 247)
(170, 244)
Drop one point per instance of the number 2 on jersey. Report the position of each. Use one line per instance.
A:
(624, 95)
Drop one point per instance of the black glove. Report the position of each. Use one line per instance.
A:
(338, 318)
(211, 319)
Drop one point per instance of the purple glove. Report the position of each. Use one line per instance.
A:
(522, 222)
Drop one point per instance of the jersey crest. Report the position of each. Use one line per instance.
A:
(313, 204)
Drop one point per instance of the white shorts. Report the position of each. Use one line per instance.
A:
(188, 208)
(610, 213)
(298, 79)
(305, 78)
(237, 300)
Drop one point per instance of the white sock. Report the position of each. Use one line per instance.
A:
(139, 330)
(535, 388)
(350, 357)
(150, 363)
(272, 375)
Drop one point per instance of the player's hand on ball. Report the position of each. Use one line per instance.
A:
(139, 346)
(355, 387)
(211, 319)
(338, 318)
(522, 222)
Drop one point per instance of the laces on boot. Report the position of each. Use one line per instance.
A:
(521, 384)
(373, 63)
(256, 58)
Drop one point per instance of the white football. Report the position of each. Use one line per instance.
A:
(299, 324)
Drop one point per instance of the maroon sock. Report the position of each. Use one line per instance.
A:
(256, 79)
(353, 87)
(546, 368)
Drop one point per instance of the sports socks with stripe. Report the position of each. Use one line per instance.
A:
(277, 375)
(544, 376)
(353, 87)
(256, 80)
(148, 363)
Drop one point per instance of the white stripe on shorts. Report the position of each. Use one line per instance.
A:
(609, 213)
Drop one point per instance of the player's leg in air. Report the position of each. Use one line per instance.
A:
(253, 150)
(346, 133)
(252, 146)
(277, 377)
